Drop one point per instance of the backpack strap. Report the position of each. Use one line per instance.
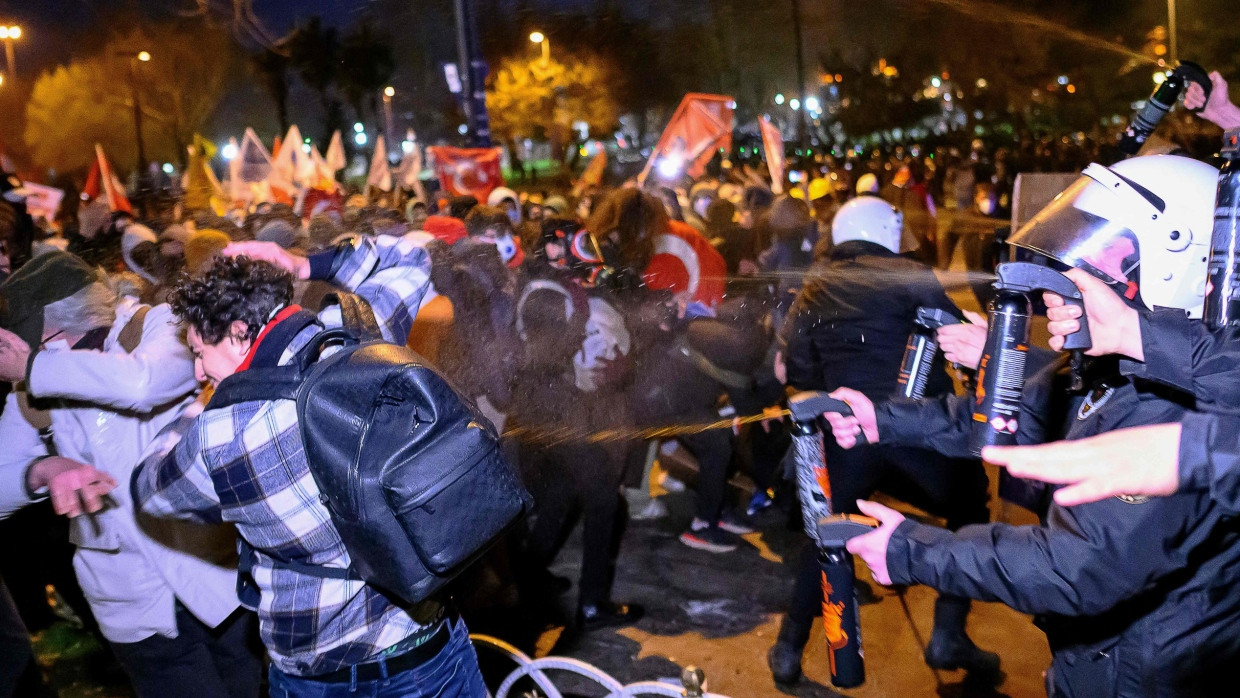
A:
(131, 334)
(266, 379)
(247, 589)
(356, 315)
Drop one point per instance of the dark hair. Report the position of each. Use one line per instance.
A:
(483, 218)
(233, 289)
(635, 218)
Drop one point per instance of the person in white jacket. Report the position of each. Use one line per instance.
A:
(111, 373)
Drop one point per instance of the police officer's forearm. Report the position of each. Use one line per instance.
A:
(1209, 456)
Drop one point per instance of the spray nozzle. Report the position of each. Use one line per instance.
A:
(1027, 277)
(934, 318)
(1145, 121)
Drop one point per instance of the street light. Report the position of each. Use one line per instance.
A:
(388, 93)
(540, 38)
(143, 57)
(10, 34)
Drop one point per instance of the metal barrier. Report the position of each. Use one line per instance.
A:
(692, 679)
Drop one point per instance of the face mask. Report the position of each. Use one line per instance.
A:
(507, 247)
(514, 215)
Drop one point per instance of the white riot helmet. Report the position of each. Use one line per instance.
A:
(871, 219)
(1142, 225)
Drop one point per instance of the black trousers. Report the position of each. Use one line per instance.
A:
(20, 675)
(572, 482)
(200, 662)
(954, 489)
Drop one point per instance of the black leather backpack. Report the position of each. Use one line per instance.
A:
(409, 469)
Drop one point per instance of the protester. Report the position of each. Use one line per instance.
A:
(111, 374)
(320, 630)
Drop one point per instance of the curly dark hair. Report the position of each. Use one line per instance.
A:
(233, 289)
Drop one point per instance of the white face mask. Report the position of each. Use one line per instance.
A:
(507, 247)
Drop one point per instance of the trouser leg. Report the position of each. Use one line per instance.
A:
(181, 666)
(713, 451)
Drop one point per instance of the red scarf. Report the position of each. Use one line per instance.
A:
(280, 317)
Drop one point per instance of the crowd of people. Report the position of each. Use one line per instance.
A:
(582, 326)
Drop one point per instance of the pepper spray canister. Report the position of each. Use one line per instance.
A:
(1001, 373)
(1222, 308)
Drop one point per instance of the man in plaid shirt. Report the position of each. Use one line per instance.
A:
(246, 463)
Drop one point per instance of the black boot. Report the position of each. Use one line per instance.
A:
(784, 658)
(950, 647)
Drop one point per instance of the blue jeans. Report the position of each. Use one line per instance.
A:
(453, 673)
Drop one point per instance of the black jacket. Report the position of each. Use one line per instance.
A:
(851, 320)
(1182, 353)
(1137, 596)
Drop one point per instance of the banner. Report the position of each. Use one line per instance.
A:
(773, 144)
(380, 174)
(462, 171)
(335, 154)
(43, 201)
(701, 125)
(201, 186)
(103, 182)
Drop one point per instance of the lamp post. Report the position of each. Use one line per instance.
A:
(388, 93)
(10, 34)
(1173, 52)
(540, 38)
(136, 57)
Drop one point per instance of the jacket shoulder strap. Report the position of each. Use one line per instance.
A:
(131, 334)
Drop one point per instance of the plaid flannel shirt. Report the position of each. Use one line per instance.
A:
(246, 463)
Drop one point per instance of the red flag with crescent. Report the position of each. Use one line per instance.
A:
(685, 263)
(701, 125)
(467, 171)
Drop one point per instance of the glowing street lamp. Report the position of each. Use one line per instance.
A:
(10, 34)
(144, 56)
(538, 37)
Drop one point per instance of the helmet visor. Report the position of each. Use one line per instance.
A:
(1069, 233)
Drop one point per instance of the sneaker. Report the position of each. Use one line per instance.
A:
(654, 509)
(735, 524)
(759, 502)
(672, 484)
(708, 538)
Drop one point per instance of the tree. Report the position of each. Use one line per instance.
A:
(314, 52)
(542, 99)
(366, 66)
(272, 68)
(91, 100)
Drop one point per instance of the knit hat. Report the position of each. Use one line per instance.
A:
(278, 231)
(175, 233)
(135, 234)
(202, 248)
(43, 280)
(556, 203)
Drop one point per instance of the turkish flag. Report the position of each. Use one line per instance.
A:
(701, 125)
(685, 263)
(467, 171)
